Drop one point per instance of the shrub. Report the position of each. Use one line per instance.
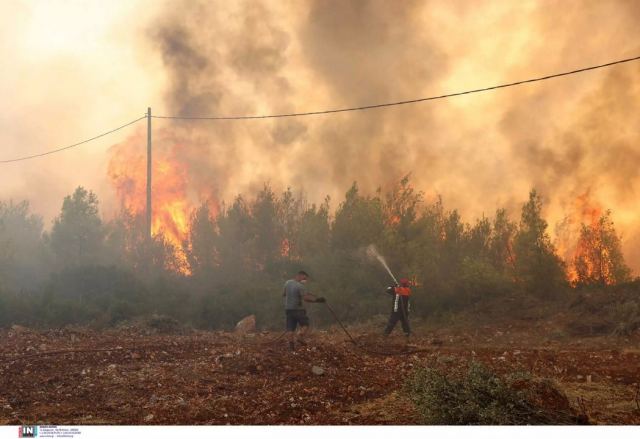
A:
(91, 294)
(625, 317)
(479, 279)
(479, 397)
(164, 324)
(609, 310)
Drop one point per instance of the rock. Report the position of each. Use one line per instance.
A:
(148, 418)
(317, 370)
(19, 329)
(248, 324)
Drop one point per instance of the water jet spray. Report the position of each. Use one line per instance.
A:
(372, 252)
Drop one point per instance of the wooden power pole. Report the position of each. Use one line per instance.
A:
(149, 173)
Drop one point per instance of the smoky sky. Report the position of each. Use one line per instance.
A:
(566, 137)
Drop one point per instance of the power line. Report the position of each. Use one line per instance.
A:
(340, 110)
(53, 151)
(411, 101)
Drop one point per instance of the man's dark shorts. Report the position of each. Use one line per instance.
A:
(296, 317)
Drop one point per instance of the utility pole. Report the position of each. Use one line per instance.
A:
(149, 174)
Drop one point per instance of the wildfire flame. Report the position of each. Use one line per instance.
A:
(285, 247)
(394, 220)
(171, 203)
(585, 211)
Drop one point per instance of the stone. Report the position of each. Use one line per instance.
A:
(246, 325)
(317, 370)
(19, 329)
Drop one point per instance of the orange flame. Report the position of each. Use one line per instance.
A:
(583, 210)
(285, 247)
(394, 220)
(171, 204)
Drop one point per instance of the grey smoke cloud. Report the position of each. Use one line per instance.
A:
(566, 137)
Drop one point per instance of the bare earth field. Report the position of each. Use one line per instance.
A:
(220, 378)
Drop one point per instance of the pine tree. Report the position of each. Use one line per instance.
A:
(539, 270)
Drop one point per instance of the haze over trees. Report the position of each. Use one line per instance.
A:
(233, 262)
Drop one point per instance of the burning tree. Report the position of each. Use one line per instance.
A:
(598, 259)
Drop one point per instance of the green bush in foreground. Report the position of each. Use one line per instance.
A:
(479, 397)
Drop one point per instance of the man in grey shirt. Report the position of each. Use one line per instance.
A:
(295, 294)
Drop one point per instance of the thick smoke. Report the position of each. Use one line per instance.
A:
(566, 137)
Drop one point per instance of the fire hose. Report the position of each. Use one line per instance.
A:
(364, 348)
(80, 351)
(155, 347)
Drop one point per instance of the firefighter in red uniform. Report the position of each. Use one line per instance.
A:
(400, 310)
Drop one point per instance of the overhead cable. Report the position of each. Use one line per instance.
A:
(410, 101)
(53, 151)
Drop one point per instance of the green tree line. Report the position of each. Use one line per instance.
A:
(89, 271)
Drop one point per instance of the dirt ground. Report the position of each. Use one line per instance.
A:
(221, 378)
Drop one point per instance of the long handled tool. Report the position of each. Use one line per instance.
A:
(364, 348)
